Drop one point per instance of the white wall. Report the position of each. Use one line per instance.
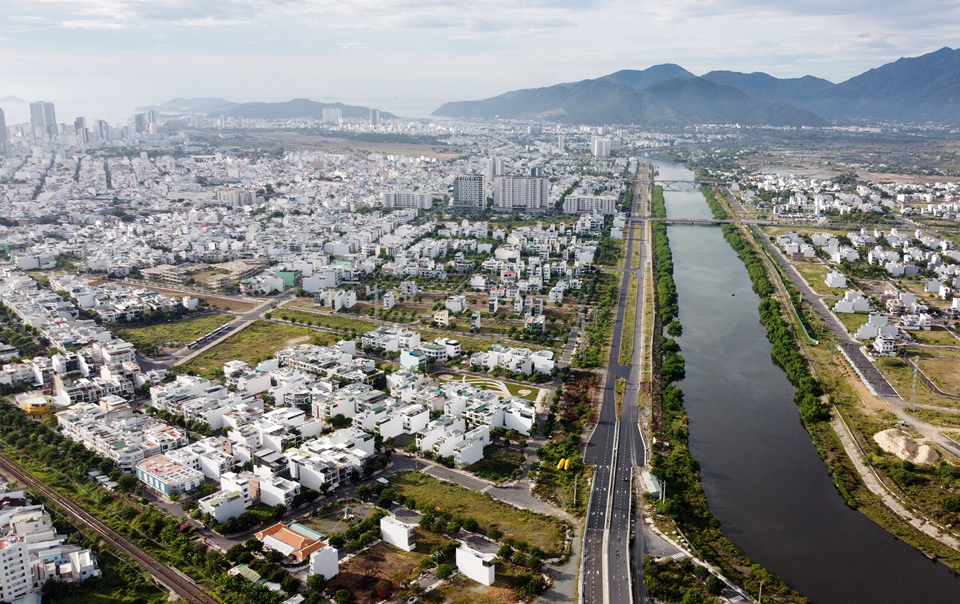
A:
(325, 562)
(472, 564)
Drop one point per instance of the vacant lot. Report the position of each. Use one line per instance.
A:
(544, 532)
(377, 573)
(325, 320)
(174, 334)
(852, 321)
(945, 373)
(815, 274)
(937, 336)
(255, 343)
(460, 590)
(500, 463)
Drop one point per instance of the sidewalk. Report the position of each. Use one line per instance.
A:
(872, 481)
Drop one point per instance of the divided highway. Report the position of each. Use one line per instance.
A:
(615, 447)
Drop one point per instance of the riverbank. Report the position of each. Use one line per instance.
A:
(684, 502)
(852, 473)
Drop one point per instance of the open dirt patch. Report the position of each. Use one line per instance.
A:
(906, 447)
(300, 340)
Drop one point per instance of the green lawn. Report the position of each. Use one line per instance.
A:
(173, 334)
(853, 321)
(629, 320)
(545, 532)
(257, 342)
(937, 336)
(816, 274)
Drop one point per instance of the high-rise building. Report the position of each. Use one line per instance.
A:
(495, 167)
(16, 577)
(3, 130)
(560, 142)
(600, 146)
(103, 130)
(468, 191)
(333, 115)
(140, 122)
(43, 116)
(374, 117)
(153, 117)
(80, 126)
(526, 193)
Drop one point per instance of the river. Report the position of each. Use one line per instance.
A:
(762, 475)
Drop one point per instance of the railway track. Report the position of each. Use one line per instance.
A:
(163, 574)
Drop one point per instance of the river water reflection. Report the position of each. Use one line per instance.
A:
(763, 477)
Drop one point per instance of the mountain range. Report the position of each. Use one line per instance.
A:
(293, 109)
(918, 89)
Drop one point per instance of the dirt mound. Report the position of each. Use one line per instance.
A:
(905, 447)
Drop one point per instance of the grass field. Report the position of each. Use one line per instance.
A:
(900, 376)
(544, 532)
(324, 320)
(499, 464)
(852, 321)
(815, 274)
(175, 333)
(629, 320)
(945, 373)
(937, 336)
(255, 343)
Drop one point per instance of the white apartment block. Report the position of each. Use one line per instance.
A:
(407, 199)
(590, 204)
(521, 193)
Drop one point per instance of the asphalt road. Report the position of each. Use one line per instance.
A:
(614, 448)
(853, 349)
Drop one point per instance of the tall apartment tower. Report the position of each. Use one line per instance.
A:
(468, 191)
(16, 576)
(524, 193)
(80, 125)
(374, 117)
(3, 131)
(560, 143)
(44, 117)
(333, 115)
(495, 167)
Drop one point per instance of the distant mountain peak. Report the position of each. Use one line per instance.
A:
(12, 99)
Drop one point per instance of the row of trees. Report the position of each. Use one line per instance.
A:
(785, 352)
(663, 261)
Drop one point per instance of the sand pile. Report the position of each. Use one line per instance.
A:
(905, 447)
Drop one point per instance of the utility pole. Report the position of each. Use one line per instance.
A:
(760, 598)
(913, 397)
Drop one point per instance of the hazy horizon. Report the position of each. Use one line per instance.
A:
(103, 58)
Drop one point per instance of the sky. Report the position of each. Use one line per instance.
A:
(102, 58)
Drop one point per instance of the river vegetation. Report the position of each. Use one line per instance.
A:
(663, 261)
(684, 500)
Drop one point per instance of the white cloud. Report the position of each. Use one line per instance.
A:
(89, 24)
